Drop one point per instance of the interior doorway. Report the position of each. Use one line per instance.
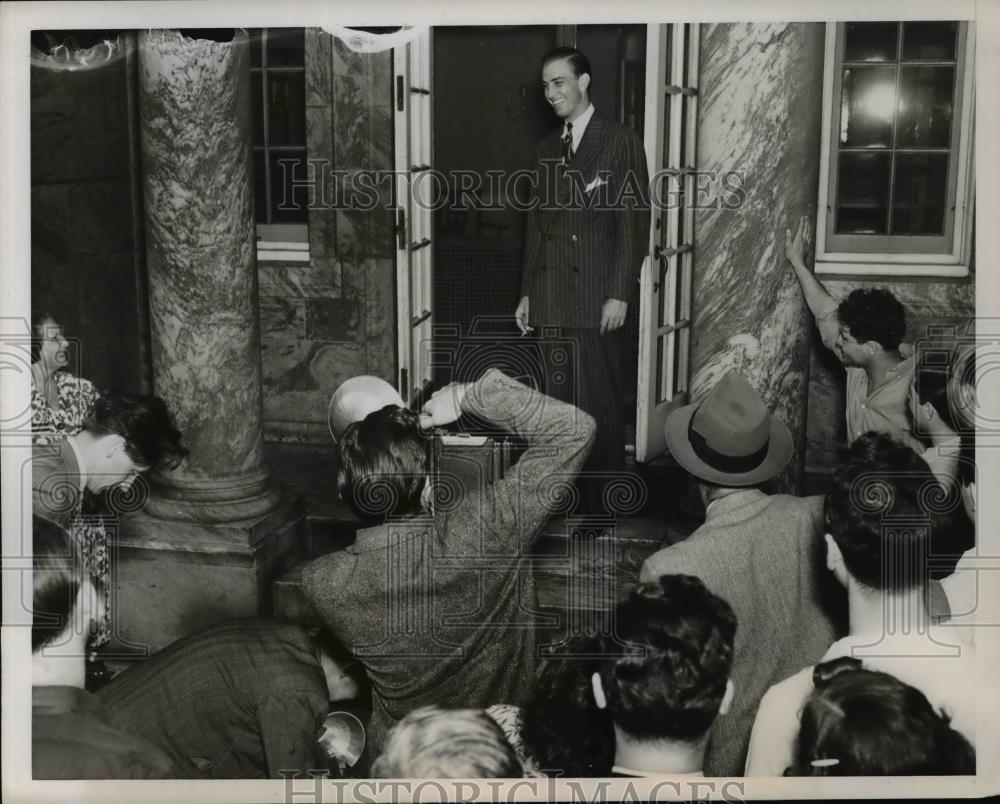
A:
(489, 113)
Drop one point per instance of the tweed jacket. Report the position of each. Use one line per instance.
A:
(765, 556)
(442, 610)
(239, 700)
(55, 482)
(588, 230)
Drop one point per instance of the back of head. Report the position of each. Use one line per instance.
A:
(383, 464)
(881, 511)
(873, 314)
(58, 573)
(562, 727)
(578, 63)
(859, 722)
(447, 743)
(151, 439)
(674, 645)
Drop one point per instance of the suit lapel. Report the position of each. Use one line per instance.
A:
(591, 145)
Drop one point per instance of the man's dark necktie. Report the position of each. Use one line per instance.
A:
(567, 144)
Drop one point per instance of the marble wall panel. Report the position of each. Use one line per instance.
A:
(343, 322)
(759, 115)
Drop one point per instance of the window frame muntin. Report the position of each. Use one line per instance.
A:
(954, 260)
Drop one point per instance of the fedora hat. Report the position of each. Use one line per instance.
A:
(730, 437)
(355, 398)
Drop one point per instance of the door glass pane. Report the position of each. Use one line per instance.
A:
(255, 46)
(868, 103)
(862, 193)
(660, 359)
(870, 41)
(257, 103)
(288, 168)
(259, 186)
(666, 132)
(286, 108)
(929, 41)
(285, 47)
(919, 193)
(925, 107)
(680, 361)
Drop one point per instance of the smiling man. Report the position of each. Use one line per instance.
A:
(124, 436)
(585, 240)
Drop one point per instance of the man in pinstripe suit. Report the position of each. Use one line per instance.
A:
(585, 241)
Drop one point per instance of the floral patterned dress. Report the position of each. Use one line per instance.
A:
(49, 425)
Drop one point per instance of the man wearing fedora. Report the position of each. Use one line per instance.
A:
(760, 552)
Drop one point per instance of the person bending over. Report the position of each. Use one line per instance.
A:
(236, 700)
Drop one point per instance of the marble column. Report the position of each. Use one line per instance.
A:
(216, 528)
(759, 117)
(200, 250)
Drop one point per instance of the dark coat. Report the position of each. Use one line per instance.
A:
(583, 247)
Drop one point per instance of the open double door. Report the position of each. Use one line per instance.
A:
(671, 97)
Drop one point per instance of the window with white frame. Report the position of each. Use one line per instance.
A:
(896, 181)
(277, 80)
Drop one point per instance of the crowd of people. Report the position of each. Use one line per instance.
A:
(764, 643)
(786, 635)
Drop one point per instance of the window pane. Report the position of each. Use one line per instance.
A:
(925, 107)
(286, 108)
(660, 359)
(862, 193)
(919, 194)
(255, 40)
(285, 47)
(923, 41)
(257, 104)
(868, 103)
(259, 187)
(284, 193)
(870, 41)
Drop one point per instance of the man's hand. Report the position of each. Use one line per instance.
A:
(521, 316)
(444, 406)
(795, 245)
(613, 315)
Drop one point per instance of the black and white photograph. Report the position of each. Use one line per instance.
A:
(520, 401)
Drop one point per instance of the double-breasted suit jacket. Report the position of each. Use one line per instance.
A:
(588, 230)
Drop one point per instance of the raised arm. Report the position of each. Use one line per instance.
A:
(559, 437)
(820, 302)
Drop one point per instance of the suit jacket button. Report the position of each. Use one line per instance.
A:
(576, 269)
(574, 238)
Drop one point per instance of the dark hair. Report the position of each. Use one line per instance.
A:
(675, 644)
(578, 63)
(932, 388)
(447, 743)
(144, 422)
(873, 315)
(384, 461)
(860, 722)
(57, 574)
(562, 727)
(38, 322)
(881, 480)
